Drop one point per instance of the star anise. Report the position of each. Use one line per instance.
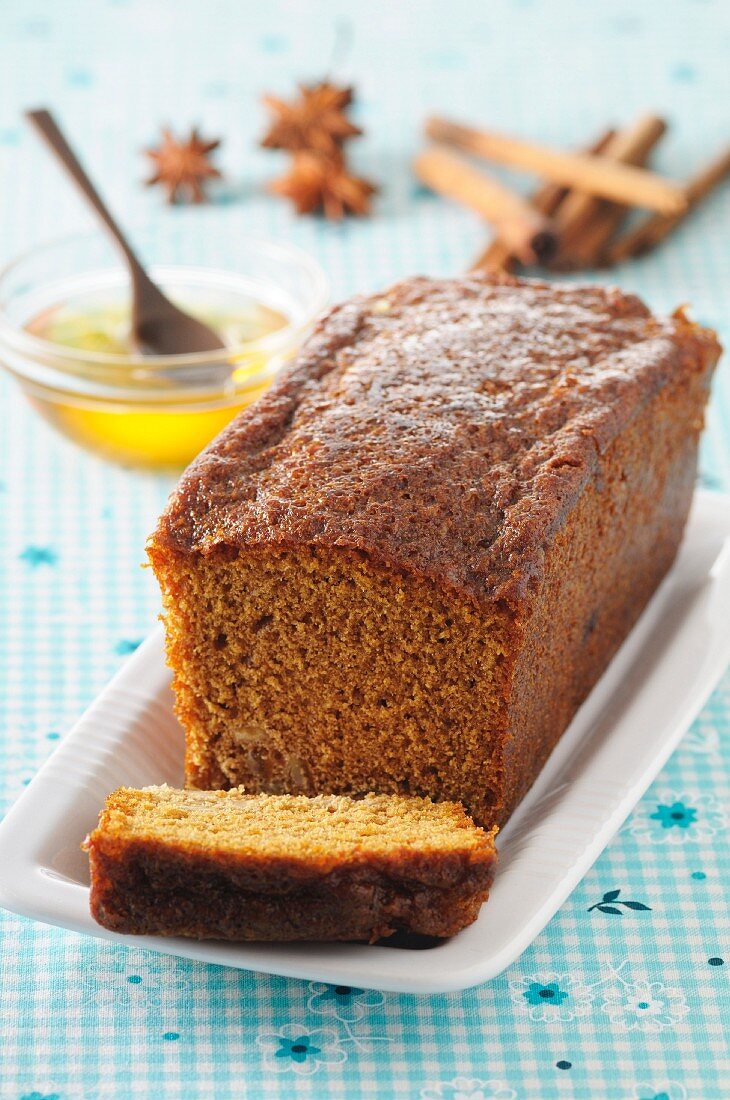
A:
(315, 121)
(183, 167)
(318, 183)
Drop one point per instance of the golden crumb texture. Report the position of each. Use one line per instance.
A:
(235, 866)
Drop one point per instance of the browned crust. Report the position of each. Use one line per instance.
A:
(136, 890)
(141, 885)
(583, 479)
(509, 388)
(605, 563)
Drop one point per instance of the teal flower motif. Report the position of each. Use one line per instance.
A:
(298, 1049)
(537, 994)
(301, 1049)
(676, 816)
(41, 1096)
(551, 997)
(347, 1003)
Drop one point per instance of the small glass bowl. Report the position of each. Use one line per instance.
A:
(154, 411)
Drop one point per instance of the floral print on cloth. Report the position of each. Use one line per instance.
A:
(301, 1049)
(304, 1049)
(345, 1003)
(671, 817)
(617, 906)
(632, 1002)
(551, 998)
(643, 1005)
(137, 979)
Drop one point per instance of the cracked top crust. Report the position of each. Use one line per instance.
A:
(443, 428)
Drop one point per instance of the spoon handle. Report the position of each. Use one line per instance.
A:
(49, 130)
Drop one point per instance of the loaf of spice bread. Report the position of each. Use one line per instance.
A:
(227, 865)
(406, 565)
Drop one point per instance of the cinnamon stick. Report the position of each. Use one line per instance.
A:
(654, 229)
(585, 223)
(497, 256)
(547, 199)
(527, 232)
(596, 174)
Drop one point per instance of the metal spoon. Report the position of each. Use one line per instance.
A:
(158, 326)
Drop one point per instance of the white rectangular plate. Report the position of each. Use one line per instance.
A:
(615, 746)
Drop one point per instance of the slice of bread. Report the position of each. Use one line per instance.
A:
(230, 865)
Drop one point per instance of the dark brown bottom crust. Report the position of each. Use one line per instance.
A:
(136, 893)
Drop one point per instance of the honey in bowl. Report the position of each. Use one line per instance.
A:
(102, 322)
(65, 320)
(160, 433)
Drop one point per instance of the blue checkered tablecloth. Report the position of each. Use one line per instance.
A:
(625, 994)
